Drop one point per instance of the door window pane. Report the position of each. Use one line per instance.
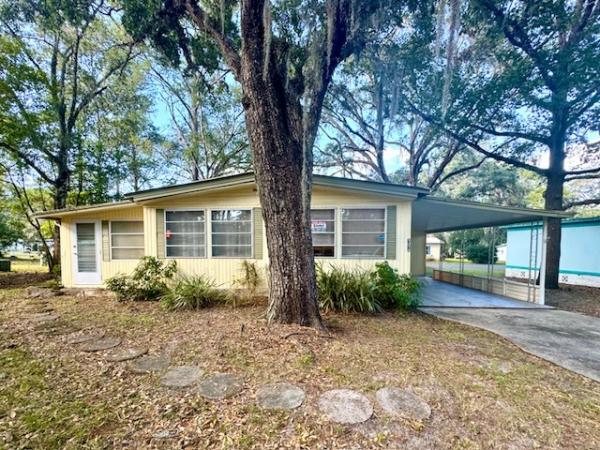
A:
(86, 247)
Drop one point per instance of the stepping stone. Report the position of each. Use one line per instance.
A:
(125, 354)
(180, 377)
(280, 396)
(97, 345)
(43, 317)
(345, 406)
(55, 328)
(85, 337)
(220, 386)
(148, 364)
(402, 403)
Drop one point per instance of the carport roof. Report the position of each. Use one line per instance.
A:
(434, 214)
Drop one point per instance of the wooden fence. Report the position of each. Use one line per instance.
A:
(498, 286)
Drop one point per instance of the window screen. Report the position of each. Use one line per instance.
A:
(363, 232)
(231, 233)
(185, 234)
(127, 240)
(322, 226)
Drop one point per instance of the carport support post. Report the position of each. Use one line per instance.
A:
(542, 272)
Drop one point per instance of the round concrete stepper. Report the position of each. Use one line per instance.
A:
(182, 376)
(345, 406)
(103, 343)
(125, 354)
(148, 364)
(279, 396)
(220, 385)
(85, 337)
(402, 403)
(43, 317)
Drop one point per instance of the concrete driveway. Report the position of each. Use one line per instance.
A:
(567, 339)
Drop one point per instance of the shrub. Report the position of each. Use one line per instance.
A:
(149, 280)
(479, 253)
(346, 291)
(193, 293)
(393, 290)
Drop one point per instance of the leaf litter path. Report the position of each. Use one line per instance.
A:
(344, 406)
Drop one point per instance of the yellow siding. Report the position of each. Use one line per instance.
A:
(108, 268)
(224, 271)
(417, 249)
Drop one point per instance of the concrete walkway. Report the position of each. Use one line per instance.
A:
(567, 339)
(446, 295)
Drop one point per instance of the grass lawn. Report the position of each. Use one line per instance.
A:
(498, 271)
(483, 391)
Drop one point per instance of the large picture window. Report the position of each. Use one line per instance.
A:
(363, 233)
(127, 240)
(185, 234)
(231, 233)
(322, 226)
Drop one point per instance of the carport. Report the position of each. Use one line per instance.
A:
(435, 215)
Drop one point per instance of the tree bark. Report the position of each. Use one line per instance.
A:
(275, 130)
(553, 196)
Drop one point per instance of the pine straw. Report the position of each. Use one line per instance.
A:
(483, 391)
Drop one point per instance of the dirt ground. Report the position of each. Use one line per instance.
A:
(583, 299)
(483, 391)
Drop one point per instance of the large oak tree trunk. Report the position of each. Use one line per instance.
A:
(275, 129)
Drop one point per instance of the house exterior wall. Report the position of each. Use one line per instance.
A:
(417, 253)
(435, 251)
(580, 253)
(107, 268)
(224, 271)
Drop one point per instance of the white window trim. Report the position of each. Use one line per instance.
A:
(182, 209)
(336, 251)
(341, 234)
(110, 234)
(228, 208)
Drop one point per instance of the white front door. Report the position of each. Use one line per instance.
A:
(86, 253)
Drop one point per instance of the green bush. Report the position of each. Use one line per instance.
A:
(193, 293)
(346, 291)
(366, 291)
(149, 280)
(479, 253)
(393, 290)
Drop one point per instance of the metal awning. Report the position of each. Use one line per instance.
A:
(433, 215)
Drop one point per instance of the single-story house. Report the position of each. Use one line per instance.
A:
(433, 247)
(211, 226)
(579, 251)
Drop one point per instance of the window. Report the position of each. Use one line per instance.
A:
(127, 240)
(363, 232)
(428, 249)
(231, 233)
(322, 225)
(184, 234)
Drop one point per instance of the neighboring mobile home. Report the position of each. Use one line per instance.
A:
(579, 251)
(210, 227)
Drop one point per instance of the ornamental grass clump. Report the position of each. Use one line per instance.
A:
(346, 291)
(149, 281)
(366, 291)
(194, 292)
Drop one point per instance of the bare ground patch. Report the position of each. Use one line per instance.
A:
(583, 299)
(483, 391)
